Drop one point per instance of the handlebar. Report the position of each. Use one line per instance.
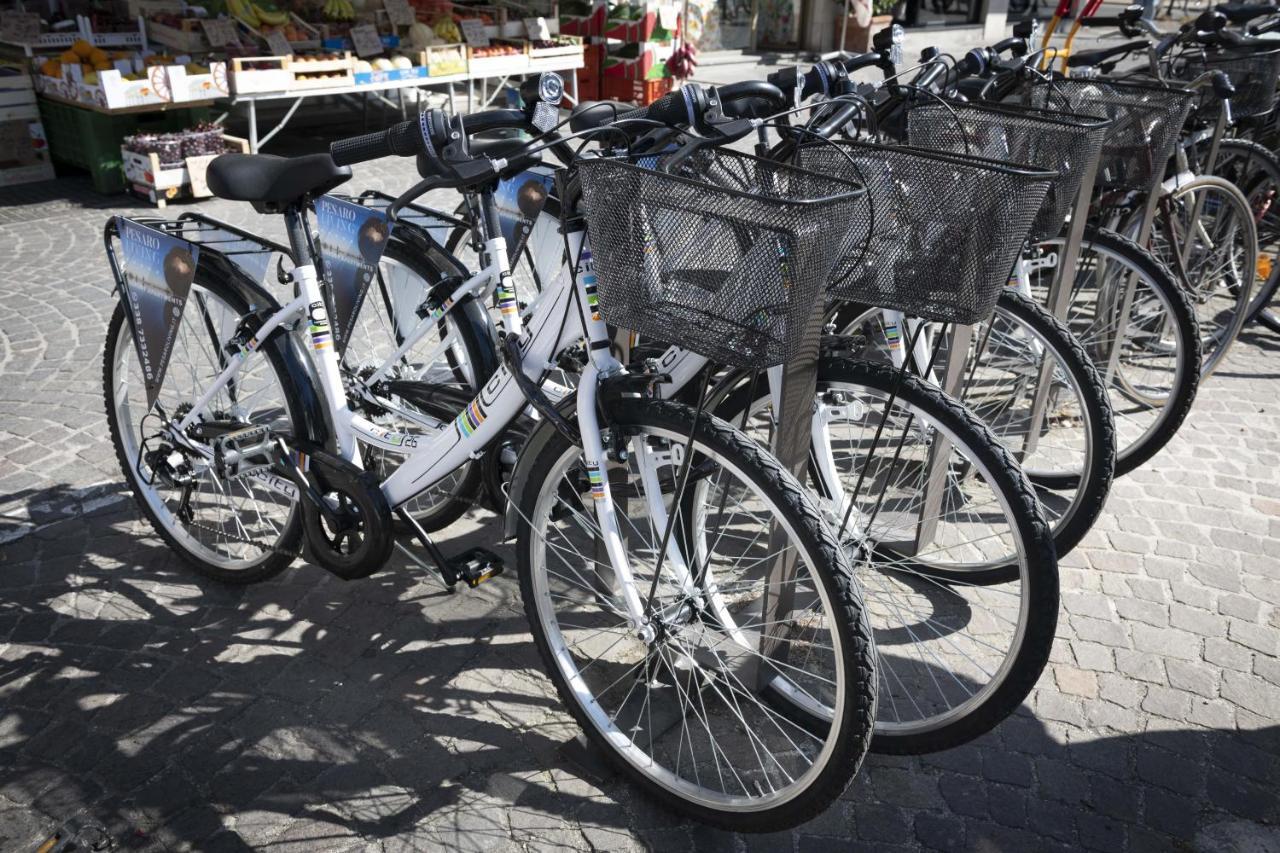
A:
(1244, 13)
(403, 140)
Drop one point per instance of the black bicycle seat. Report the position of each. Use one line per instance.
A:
(273, 183)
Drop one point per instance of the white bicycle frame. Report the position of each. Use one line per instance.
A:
(565, 315)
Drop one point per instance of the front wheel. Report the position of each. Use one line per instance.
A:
(1136, 324)
(704, 708)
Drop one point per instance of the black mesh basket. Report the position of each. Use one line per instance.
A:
(1146, 119)
(726, 257)
(940, 233)
(1063, 143)
(1253, 74)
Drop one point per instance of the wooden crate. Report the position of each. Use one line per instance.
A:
(246, 80)
(187, 39)
(151, 179)
(499, 66)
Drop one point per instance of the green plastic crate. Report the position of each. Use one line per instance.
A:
(91, 140)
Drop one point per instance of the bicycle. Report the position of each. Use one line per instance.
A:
(236, 471)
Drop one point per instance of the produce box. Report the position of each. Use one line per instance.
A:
(112, 90)
(324, 71)
(557, 52)
(260, 74)
(501, 58)
(390, 75)
(161, 182)
(193, 82)
(582, 18)
(645, 61)
(642, 22)
(638, 92)
(181, 34)
(24, 151)
(90, 140)
(440, 60)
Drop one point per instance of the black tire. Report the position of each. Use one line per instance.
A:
(271, 562)
(1132, 454)
(812, 537)
(1041, 577)
(1091, 489)
(466, 481)
(1256, 171)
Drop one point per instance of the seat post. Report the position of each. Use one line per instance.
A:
(295, 223)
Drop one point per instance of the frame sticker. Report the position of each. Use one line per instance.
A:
(158, 270)
(352, 240)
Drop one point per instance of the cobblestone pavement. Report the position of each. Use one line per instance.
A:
(311, 714)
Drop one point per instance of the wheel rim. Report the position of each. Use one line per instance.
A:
(1220, 253)
(226, 511)
(709, 786)
(1150, 366)
(439, 359)
(1004, 364)
(925, 663)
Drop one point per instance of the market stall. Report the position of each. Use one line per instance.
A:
(180, 57)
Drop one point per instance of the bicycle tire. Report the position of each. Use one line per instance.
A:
(1038, 573)
(811, 538)
(276, 556)
(1133, 451)
(1216, 339)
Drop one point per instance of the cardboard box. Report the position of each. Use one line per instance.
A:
(273, 76)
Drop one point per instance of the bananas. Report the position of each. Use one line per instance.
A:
(339, 10)
(270, 15)
(243, 9)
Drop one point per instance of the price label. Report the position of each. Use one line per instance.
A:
(20, 27)
(400, 13)
(473, 33)
(667, 17)
(219, 31)
(537, 29)
(278, 44)
(366, 40)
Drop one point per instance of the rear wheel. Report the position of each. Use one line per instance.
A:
(236, 530)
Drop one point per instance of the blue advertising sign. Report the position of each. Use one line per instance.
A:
(352, 240)
(158, 271)
(519, 200)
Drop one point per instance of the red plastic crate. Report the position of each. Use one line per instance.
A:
(639, 92)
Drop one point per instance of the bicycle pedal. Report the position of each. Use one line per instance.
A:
(476, 566)
(244, 451)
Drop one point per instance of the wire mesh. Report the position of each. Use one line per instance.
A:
(725, 257)
(939, 233)
(1146, 120)
(1254, 76)
(1063, 143)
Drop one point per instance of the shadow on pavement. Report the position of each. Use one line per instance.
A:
(304, 713)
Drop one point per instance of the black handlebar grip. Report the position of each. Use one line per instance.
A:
(669, 109)
(1102, 21)
(404, 139)
(1243, 13)
(1222, 85)
(759, 90)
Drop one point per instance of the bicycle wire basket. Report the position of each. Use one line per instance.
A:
(1061, 142)
(1254, 75)
(940, 232)
(724, 257)
(1146, 120)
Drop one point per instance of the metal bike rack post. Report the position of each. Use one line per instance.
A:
(791, 438)
(1059, 298)
(935, 484)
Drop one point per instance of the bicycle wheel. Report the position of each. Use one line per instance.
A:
(1152, 371)
(235, 530)
(690, 713)
(1070, 457)
(1204, 232)
(1256, 172)
(427, 386)
(958, 572)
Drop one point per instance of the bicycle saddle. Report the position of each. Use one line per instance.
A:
(273, 183)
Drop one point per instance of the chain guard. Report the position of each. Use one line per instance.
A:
(363, 542)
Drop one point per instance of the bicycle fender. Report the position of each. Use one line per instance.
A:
(539, 440)
(299, 371)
